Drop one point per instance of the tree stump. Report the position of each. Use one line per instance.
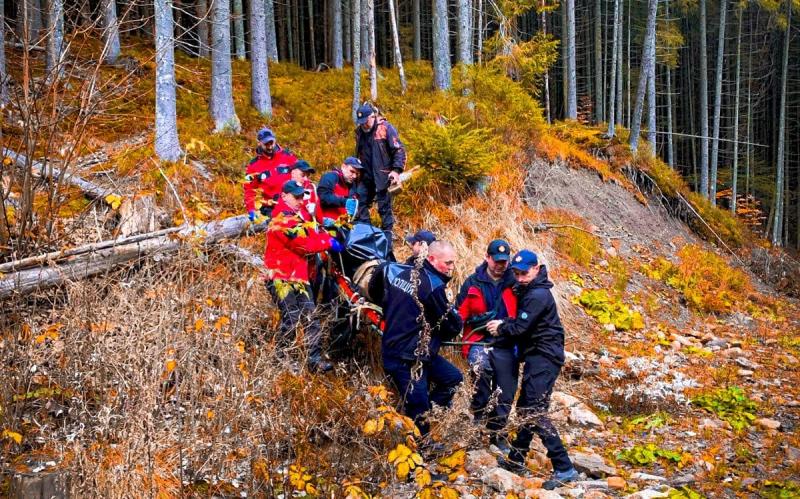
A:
(39, 485)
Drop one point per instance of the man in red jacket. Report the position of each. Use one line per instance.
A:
(266, 174)
(337, 189)
(488, 294)
(300, 172)
(291, 239)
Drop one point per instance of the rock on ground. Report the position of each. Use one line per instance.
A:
(592, 464)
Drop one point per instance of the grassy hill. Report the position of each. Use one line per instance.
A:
(163, 378)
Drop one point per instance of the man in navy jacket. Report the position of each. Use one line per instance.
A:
(540, 338)
(403, 354)
(379, 148)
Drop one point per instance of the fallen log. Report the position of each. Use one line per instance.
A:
(90, 189)
(108, 254)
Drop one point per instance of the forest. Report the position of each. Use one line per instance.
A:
(648, 151)
(711, 85)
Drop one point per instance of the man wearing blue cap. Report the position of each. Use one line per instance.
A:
(416, 241)
(383, 156)
(485, 295)
(266, 174)
(540, 336)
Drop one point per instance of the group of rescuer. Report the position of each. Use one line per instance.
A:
(505, 309)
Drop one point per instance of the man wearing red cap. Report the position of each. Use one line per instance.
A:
(291, 239)
(266, 174)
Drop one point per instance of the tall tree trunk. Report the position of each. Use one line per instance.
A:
(55, 39)
(364, 34)
(356, 13)
(222, 110)
(670, 144)
(338, 52)
(259, 74)
(311, 42)
(480, 24)
(648, 59)
(398, 56)
(712, 187)
(614, 61)
(618, 97)
(441, 46)
(651, 96)
(201, 11)
(749, 148)
(737, 78)
(167, 147)
(373, 64)
(572, 96)
(290, 32)
(272, 39)
(564, 58)
(238, 29)
(3, 74)
(629, 107)
(599, 91)
(777, 224)
(465, 31)
(703, 102)
(417, 30)
(546, 73)
(347, 32)
(110, 31)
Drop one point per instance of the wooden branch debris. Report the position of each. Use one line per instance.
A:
(59, 268)
(90, 189)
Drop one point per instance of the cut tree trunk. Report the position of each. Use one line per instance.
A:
(90, 189)
(112, 254)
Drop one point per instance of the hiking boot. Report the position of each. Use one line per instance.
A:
(499, 446)
(319, 366)
(560, 478)
(513, 466)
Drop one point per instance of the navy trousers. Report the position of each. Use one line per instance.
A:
(483, 373)
(539, 377)
(505, 368)
(437, 385)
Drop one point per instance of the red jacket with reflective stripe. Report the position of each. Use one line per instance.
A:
(474, 304)
(267, 175)
(291, 239)
(333, 193)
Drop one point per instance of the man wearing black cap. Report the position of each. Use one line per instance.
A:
(266, 173)
(291, 240)
(488, 294)
(379, 148)
(416, 241)
(540, 334)
(300, 172)
(338, 189)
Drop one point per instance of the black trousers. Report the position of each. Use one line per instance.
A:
(539, 377)
(505, 368)
(368, 194)
(297, 310)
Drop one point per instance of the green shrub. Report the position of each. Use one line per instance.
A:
(455, 157)
(729, 404)
(607, 310)
(648, 454)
